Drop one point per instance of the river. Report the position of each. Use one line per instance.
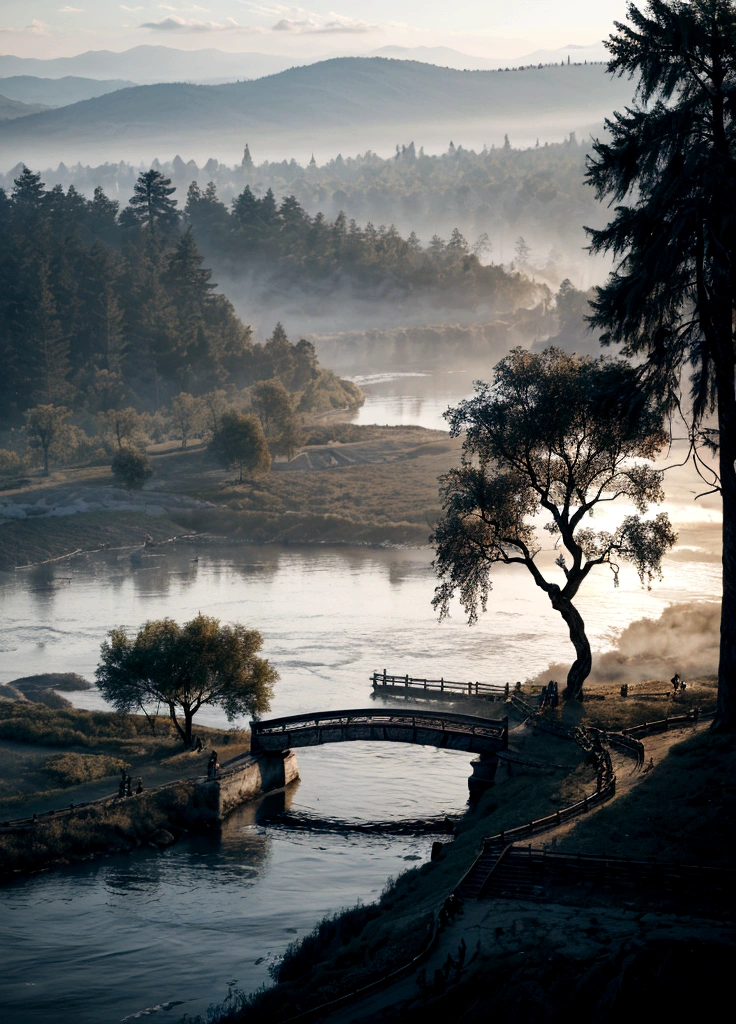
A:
(156, 935)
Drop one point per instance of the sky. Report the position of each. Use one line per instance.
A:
(488, 28)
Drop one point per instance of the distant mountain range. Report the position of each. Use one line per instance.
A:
(342, 104)
(11, 109)
(148, 65)
(445, 57)
(57, 92)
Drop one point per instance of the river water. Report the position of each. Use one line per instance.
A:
(156, 935)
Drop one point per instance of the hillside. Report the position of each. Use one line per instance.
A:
(57, 92)
(338, 103)
(11, 109)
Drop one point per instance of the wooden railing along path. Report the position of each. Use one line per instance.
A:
(447, 687)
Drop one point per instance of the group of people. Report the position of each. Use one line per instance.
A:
(125, 788)
(678, 683)
(550, 695)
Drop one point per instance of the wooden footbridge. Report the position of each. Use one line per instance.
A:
(482, 736)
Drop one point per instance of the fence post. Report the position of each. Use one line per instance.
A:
(384, 677)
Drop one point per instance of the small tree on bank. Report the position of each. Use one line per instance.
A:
(130, 467)
(185, 668)
(47, 429)
(239, 443)
(559, 435)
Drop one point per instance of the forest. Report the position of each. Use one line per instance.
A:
(502, 192)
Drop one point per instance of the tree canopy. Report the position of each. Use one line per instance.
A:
(669, 164)
(554, 436)
(239, 443)
(185, 668)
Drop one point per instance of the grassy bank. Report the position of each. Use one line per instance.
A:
(30, 541)
(683, 811)
(354, 485)
(53, 757)
(116, 826)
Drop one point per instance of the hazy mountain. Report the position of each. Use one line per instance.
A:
(57, 92)
(347, 103)
(11, 109)
(444, 56)
(149, 64)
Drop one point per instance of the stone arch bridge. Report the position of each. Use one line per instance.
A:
(483, 736)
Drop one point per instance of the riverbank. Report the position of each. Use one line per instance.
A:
(51, 757)
(379, 489)
(666, 811)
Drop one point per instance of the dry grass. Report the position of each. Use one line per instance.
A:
(73, 769)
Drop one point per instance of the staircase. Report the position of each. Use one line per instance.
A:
(512, 879)
(471, 885)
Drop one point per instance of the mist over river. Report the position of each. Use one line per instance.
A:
(105, 941)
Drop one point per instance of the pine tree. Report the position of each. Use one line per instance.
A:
(151, 204)
(669, 166)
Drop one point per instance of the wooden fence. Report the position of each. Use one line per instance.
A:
(393, 683)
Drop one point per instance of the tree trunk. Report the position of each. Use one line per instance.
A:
(580, 668)
(182, 732)
(726, 707)
(188, 716)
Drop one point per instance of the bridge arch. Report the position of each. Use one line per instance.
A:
(483, 736)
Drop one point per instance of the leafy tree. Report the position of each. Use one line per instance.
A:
(151, 203)
(130, 467)
(239, 443)
(272, 403)
(670, 166)
(550, 436)
(186, 412)
(215, 404)
(46, 428)
(9, 461)
(288, 440)
(121, 426)
(185, 668)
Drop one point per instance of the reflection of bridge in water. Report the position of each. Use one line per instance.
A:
(483, 736)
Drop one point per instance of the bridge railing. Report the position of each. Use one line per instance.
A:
(470, 689)
(445, 721)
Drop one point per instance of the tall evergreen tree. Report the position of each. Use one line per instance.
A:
(670, 166)
(151, 204)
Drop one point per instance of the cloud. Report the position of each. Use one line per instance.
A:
(130, 10)
(300, 21)
(347, 25)
(174, 23)
(70, 10)
(36, 27)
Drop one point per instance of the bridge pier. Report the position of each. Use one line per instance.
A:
(484, 774)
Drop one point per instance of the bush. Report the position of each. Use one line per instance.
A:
(131, 467)
(73, 769)
(9, 461)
